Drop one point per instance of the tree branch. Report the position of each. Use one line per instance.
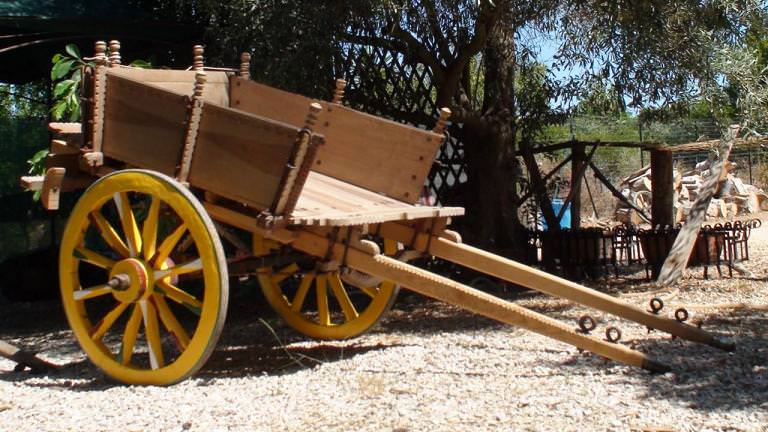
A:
(418, 50)
(434, 25)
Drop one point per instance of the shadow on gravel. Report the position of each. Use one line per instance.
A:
(702, 378)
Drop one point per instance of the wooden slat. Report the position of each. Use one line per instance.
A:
(65, 128)
(327, 201)
(181, 82)
(144, 124)
(241, 156)
(368, 151)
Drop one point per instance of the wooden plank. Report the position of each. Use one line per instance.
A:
(677, 260)
(327, 201)
(144, 124)
(266, 101)
(368, 151)
(241, 156)
(65, 128)
(180, 82)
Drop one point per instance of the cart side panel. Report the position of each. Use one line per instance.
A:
(368, 151)
(241, 156)
(181, 82)
(144, 125)
(376, 154)
(269, 102)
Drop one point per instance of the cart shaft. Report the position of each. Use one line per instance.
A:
(538, 280)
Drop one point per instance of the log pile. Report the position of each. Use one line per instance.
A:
(734, 198)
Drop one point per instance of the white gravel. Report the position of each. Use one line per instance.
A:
(427, 367)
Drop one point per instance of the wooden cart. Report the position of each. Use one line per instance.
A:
(317, 200)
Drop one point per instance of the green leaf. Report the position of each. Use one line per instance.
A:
(58, 109)
(62, 88)
(36, 195)
(61, 69)
(37, 162)
(72, 50)
(56, 58)
(141, 64)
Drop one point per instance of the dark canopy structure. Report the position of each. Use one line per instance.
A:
(32, 31)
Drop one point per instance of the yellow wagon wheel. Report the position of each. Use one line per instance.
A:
(324, 302)
(143, 278)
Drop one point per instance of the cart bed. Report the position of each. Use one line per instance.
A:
(331, 202)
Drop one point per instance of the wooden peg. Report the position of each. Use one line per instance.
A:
(338, 93)
(100, 55)
(445, 114)
(245, 65)
(198, 58)
(200, 79)
(314, 110)
(114, 53)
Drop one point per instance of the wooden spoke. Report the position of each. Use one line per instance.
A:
(167, 246)
(129, 336)
(89, 293)
(152, 331)
(286, 272)
(149, 229)
(371, 292)
(323, 312)
(179, 296)
(301, 293)
(188, 267)
(92, 257)
(98, 331)
(109, 234)
(337, 286)
(171, 323)
(128, 221)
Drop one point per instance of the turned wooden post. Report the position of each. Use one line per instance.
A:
(198, 63)
(577, 166)
(245, 65)
(192, 127)
(114, 53)
(338, 93)
(95, 158)
(445, 114)
(299, 167)
(314, 110)
(100, 53)
(663, 188)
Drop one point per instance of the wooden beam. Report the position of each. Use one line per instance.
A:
(600, 176)
(578, 177)
(547, 177)
(515, 272)
(578, 166)
(676, 261)
(663, 188)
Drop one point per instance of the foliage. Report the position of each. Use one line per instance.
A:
(66, 74)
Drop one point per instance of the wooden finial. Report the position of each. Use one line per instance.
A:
(245, 65)
(100, 55)
(338, 94)
(200, 80)
(445, 114)
(314, 110)
(114, 53)
(197, 51)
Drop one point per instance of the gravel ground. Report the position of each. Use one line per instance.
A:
(428, 366)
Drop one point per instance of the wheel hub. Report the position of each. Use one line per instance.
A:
(129, 280)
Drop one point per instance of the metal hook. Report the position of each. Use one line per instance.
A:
(587, 324)
(612, 334)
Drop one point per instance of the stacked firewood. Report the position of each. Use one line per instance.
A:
(735, 197)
